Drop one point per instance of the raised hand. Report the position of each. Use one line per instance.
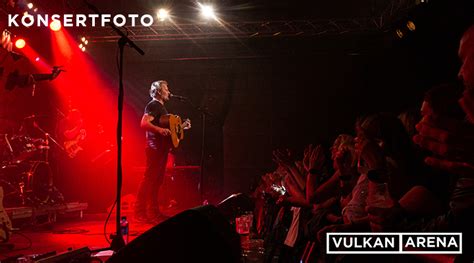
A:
(451, 141)
(283, 158)
(316, 159)
(307, 154)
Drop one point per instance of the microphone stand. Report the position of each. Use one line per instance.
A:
(117, 240)
(203, 113)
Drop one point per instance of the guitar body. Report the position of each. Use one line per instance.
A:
(72, 147)
(175, 124)
(5, 223)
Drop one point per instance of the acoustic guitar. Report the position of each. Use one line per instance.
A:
(176, 126)
(5, 223)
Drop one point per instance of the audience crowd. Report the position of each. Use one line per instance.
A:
(408, 173)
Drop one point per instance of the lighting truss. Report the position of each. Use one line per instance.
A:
(240, 30)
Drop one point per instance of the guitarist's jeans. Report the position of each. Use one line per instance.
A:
(147, 196)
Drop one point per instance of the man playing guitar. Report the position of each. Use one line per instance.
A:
(72, 132)
(157, 149)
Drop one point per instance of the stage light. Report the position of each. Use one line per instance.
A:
(399, 33)
(163, 14)
(83, 43)
(35, 10)
(37, 59)
(411, 26)
(30, 5)
(55, 25)
(83, 49)
(207, 11)
(20, 43)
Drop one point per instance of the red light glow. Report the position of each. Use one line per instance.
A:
(55, 25)
(20, 43)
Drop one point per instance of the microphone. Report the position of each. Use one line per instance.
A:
(178, 97)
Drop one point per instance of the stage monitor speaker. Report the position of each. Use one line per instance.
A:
(201, 234)
(78, 255)
(235, 204)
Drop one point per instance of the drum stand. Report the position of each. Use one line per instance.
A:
(47, 139)
(52, 189)
(10, 148)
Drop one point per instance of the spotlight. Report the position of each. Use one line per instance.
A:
(83, 49)
(411, 26)
(35, 10)
(399, 33)
(30, 6)
(55, 25)
(37, 59)
(163, 14)
(20, 43)
(207, 11)
(83, 43)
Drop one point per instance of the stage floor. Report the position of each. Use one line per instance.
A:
(70, 231)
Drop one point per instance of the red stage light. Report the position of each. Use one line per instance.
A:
(55, 25)
(20, 43)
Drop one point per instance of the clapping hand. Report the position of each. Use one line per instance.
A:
(451, 141)
(283, 157)
(316, 159)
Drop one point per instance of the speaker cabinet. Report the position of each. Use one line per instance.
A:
(201, 234)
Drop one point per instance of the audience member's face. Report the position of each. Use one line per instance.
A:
(466, 73)
(466, 54)
(334, 150)
(426, 109)
(360, 141)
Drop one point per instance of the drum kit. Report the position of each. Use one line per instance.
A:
(25, 173)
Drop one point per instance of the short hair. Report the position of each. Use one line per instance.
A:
(156, 86)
